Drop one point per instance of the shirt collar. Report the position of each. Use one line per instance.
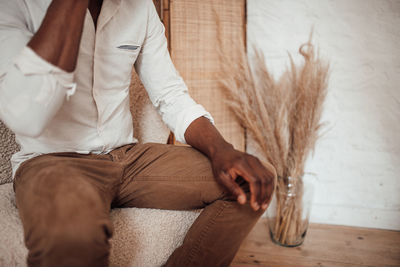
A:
(108, 10)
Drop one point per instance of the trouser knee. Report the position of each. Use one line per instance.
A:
(70, 246)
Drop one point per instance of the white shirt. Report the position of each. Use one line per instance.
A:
(87, 111)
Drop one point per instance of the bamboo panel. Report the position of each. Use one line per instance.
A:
(194, 50)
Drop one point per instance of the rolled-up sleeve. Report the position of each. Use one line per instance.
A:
(166, 88)
(32, 90)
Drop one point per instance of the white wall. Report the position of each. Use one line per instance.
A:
(357, 162)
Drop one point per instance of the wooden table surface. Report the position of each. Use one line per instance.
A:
(325, 245)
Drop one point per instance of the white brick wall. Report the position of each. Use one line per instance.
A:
(358, 160)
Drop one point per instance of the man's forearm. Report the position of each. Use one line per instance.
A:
(202, 135)
(58, 38)
(30, 80)
(229, 163)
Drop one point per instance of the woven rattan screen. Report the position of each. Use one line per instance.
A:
(194, 34)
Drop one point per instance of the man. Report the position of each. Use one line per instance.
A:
(64, 76)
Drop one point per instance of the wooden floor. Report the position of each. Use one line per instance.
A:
(325, 245)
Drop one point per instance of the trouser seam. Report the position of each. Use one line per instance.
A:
(196, 247)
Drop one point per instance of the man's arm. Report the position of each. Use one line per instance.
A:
(165, 87)
(35, 68)
(58, 38)
(229, 163)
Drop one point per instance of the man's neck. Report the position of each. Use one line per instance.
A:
(95, 8)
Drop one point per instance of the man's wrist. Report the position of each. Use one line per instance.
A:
(219, 147)
(202, 135)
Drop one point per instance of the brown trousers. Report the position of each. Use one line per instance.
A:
(64, 200)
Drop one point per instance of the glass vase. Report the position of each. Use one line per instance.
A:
(289, 211)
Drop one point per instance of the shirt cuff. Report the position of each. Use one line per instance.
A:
(187, 116)
(30, 63)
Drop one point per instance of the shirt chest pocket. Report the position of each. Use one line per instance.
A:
(114, 65)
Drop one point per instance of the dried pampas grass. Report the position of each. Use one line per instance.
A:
(283, 117)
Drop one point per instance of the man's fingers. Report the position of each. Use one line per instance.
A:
(271, 175)
(233, 187)
(269, 190)
(261, 180)
(267, 180)
(255, 185)
(264, 194)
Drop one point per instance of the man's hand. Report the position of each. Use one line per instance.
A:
(228, 164)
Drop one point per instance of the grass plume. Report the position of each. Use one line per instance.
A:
(283, 117)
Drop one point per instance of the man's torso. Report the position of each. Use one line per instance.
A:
(97, 117)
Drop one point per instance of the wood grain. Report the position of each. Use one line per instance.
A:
(158, 5)
(325, 245)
